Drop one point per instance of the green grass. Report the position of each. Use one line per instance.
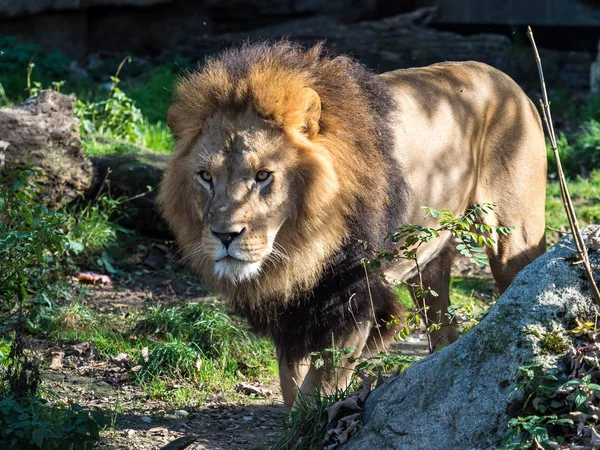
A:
(153, 93)
(198, 348)
(585, 193)
(307, 424)
(156, 137)
(462, 291)
(4, 351)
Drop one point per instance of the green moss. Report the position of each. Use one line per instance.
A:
(554, 343)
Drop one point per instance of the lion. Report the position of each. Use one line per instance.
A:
(291, 164)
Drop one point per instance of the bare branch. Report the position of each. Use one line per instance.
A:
(568, 204)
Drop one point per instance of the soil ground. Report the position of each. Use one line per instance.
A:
(227, 420)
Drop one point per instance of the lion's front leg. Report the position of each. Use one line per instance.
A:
(291, 377)
(332, 375)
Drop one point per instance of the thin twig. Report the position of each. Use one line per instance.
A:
(430, 346)
(373, 312)
(116, 77)
(568, 204)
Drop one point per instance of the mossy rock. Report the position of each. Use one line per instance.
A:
(463, 396)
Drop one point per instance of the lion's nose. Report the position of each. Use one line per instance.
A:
(227, 237)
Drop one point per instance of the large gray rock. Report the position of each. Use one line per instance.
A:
(458, 398)
(404, 41)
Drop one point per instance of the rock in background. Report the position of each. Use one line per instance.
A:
(129, 176)
(43, 132)
(406, 40)
(458, 398)
(595, 73)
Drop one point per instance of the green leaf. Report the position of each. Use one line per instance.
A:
(579, 397)
(38, 437)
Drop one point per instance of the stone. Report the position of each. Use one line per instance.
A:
(129, 176)
(43, 132)
(460, 397)
(404, 41)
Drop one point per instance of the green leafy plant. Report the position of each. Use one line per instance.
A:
(32, 423)
(37, 243)
(471, 238)
(535, 431)
(116, 116)
(385, 362)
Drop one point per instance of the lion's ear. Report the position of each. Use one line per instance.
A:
(176, 118)
(312, 112)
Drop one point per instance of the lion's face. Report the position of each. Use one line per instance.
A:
(243, 184)
(252, 190)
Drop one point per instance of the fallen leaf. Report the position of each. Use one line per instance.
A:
(57, 360)
(120, 359)
(92, 278)
(345, 428)
(80, 349)
(350, 403)
(250, 389)
(595, 239)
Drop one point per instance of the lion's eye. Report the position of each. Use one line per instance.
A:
(262, 175)
(206, 176)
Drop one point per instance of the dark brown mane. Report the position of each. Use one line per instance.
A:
(354, 131)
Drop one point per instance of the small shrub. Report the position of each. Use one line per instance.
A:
(586, 152)
(115, 116)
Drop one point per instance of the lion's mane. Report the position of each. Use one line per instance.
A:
(352, 193)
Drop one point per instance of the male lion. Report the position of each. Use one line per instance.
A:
(289, 160)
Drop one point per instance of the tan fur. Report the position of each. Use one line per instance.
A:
(459, 133)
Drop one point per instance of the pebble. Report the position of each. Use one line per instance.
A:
(129, 432)
(247, 418)
(146, 419)
(182, 413)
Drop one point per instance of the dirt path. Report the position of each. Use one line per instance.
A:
(226, 420)
(139, 423)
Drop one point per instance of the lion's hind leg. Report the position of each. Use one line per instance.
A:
(520, 203)
(525, 243)
(513, 176)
